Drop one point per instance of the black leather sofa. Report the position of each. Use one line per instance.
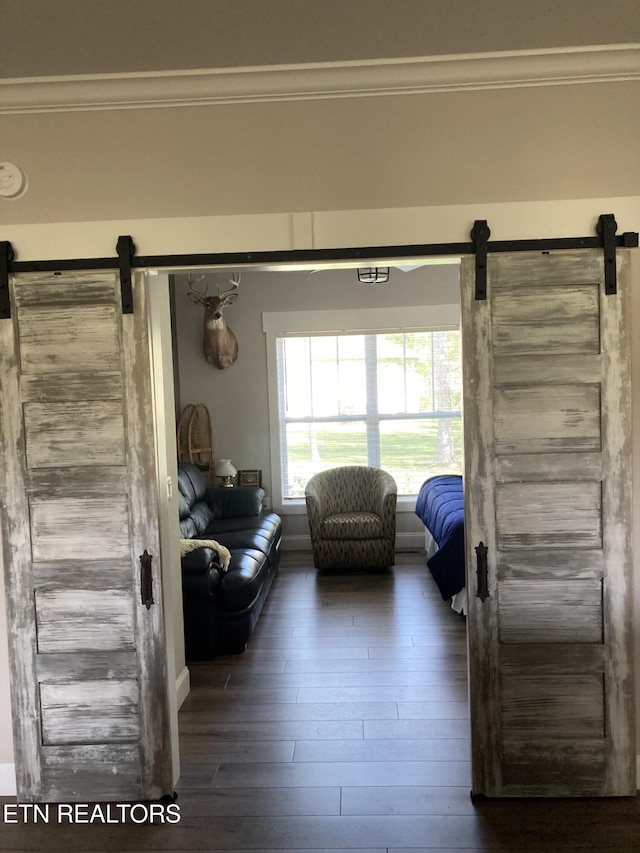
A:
(221, 608)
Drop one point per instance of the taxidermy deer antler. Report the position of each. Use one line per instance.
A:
(220, 346)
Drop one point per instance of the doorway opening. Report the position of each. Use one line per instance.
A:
(391, 634)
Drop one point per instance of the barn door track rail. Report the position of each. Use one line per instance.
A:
(126, 259)
(607, 240)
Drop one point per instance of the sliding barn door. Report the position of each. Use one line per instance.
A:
(547, 420)
(79, 508)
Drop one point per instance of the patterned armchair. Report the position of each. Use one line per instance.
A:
(352, 517)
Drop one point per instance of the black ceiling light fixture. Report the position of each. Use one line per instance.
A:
(373, 275)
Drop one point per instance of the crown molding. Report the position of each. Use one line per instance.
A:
(420, 75)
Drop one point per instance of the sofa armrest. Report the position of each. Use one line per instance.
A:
(201, 579)
(201, 561)
(235, 502)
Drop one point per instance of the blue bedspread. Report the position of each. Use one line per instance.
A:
(441, 509)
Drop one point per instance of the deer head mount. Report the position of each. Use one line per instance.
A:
(219, 345)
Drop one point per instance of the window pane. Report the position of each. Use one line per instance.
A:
(352, 375)
(419, 372)
(313, 447)
(295, 372)
(324, 377)
(335, 369)
(412, 450)
(392, 376)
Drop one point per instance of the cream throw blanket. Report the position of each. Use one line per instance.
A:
(224, 555)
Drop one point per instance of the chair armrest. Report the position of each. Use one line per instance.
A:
(315, 514)
(318, 500)
(388, 514)
(388, 498)
(236, 502)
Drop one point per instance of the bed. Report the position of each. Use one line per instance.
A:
(440, 507)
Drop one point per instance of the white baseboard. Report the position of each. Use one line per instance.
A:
(183, 686)
(410, 541)
(8, 780)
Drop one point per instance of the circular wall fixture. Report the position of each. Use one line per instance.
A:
(13, 181)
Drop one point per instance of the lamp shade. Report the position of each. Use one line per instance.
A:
(224, 468)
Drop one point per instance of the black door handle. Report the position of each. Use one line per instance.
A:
(482, 571)
(146, 579)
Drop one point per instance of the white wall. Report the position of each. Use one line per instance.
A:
(441, 149)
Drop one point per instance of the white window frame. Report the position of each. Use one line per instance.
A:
(421, 318)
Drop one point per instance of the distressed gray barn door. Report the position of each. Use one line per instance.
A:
(547, 421)
(79, 507)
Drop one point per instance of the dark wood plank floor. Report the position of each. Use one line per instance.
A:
(343, 727)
